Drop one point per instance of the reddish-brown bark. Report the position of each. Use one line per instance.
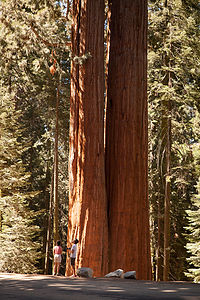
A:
(87, 197)
(126, 139)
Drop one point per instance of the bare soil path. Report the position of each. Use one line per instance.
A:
(36, 287)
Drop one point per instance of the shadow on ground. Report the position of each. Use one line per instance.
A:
(29, 287)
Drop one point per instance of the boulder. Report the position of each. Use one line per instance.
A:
(117, 274)
(85, 272)
(130, 275)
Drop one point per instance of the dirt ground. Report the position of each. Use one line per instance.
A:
(31, 287)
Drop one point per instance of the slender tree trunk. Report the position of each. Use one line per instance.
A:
(126, 139)
(0, 214)
(160, 202)
(55, 220)
(45, 225)
(87, 196)
(48, 241)
(159, 245)
(167, 104)
(165, 167)
(167, 214)
(55, 186)
(167, 194)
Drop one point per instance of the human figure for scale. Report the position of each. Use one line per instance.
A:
(57, 251)
(73, 251)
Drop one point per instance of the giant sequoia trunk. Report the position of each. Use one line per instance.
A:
(126, 139)
(87, 197)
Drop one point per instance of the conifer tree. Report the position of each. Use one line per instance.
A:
(193, 245)
(34, 41)
(19, 251)
(180, 48)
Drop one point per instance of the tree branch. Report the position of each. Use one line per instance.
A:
(47, 43)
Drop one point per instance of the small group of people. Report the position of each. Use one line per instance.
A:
(57, 252)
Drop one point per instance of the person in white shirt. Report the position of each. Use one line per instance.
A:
(73, 256)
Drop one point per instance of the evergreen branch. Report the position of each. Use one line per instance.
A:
(47, 43)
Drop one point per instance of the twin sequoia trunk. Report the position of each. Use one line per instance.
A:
(126, 139)
(87, 197)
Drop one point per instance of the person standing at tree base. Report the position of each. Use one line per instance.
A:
(57, 251)
(73, 256)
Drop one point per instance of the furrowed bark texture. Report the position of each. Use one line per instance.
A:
(126, 139)
(87, 196)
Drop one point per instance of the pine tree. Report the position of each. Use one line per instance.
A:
(34, 40)
(193, 245)
(19, 251)
(180, 48)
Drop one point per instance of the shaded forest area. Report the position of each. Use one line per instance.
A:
(42, 54)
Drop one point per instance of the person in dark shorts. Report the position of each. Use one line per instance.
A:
(73, 256)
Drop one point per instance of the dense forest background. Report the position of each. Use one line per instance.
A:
(34, 130)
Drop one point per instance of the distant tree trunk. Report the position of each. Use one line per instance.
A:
(166, 166)
(49, 229)
(167, 132)
(0, 214)
(167, 207)
(126, 139)
(87, 196)
(167, 192)
(159, 268)
(55, 220)
(47, 207)
(165, 179)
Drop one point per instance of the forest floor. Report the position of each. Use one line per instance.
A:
(31, 287)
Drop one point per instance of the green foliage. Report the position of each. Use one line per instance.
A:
(173, 51)
(19, 253)
(17, 229)
(193, 227)
(33, 37)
